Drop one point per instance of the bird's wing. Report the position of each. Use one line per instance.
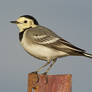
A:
(44, 36)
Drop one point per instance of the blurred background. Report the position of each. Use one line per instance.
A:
(70, 19)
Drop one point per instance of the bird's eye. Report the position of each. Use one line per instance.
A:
(25, 21)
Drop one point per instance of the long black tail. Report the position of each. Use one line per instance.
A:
(87, 55)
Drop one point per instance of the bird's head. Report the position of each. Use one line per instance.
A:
(25, 21)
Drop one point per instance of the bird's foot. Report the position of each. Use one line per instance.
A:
(46, 77)
(35, 72)
(35, 79)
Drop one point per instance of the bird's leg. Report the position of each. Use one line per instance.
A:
(45, 73)
(38, 70)
(53, 62)
(36, 73)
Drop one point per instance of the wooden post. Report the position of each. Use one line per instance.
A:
(56, 83)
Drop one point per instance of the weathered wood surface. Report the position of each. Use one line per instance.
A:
(55, 83)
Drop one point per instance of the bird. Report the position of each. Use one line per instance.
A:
(44, 44)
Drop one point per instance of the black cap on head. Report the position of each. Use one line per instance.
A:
(31, 17)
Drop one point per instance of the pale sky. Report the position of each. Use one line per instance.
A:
(70, 19)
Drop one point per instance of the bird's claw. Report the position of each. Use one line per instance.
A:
(35, 79)
(46, 77)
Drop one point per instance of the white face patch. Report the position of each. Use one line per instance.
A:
(23, 25)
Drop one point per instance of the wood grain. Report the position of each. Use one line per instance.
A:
(55, 83)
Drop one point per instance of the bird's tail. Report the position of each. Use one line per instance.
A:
(87, 55)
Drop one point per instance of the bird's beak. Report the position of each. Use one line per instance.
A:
(15, 22)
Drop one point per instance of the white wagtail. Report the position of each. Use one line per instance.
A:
(43, 43)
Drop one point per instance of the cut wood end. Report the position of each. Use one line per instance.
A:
(54, 83)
